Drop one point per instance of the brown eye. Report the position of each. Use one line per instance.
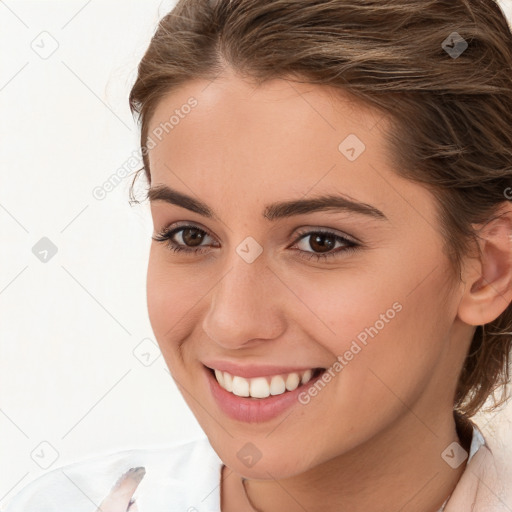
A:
(192, 236)
(322, 242)
(322, 245)
(191, 239)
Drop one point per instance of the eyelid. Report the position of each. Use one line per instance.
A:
(329, 231)
(167, 234)
(175, 226)
(299, 233)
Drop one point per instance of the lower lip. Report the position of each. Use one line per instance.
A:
(254, 410)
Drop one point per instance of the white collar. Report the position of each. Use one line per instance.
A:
(477, 441)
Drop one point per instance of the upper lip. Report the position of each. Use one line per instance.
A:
(251, 370)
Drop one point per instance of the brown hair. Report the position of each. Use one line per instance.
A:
(452, 114)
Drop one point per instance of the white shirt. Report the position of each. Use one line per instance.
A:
(186, 478)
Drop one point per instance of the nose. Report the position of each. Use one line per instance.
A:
(244, 305)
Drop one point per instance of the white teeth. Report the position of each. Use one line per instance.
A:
(277, 385)
(292, 382)
(228, 382)
(220, 377)
(307, 376)
(240, 386)
(262, 387)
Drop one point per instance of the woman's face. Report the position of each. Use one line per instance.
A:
(360, 288)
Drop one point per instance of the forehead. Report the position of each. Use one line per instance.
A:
(284, 126)
(230, 105)
(243, 145)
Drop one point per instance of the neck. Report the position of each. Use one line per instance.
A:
(401, 469)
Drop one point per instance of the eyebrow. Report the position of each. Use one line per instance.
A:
(272, 211)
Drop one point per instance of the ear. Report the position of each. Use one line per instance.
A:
(488, 277)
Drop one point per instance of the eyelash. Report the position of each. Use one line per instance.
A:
(166, 235)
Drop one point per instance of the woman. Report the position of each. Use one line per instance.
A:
(330, 274)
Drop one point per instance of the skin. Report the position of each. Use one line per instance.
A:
(372, 438)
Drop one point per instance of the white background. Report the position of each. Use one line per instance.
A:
(69, 377)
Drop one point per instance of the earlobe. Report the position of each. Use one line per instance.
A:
(488, 277)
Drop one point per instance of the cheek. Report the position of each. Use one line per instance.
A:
(341, 305)
(171, 296)
(392, 321)
(392, 348)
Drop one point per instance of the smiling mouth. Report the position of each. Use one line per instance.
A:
(263, 387)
